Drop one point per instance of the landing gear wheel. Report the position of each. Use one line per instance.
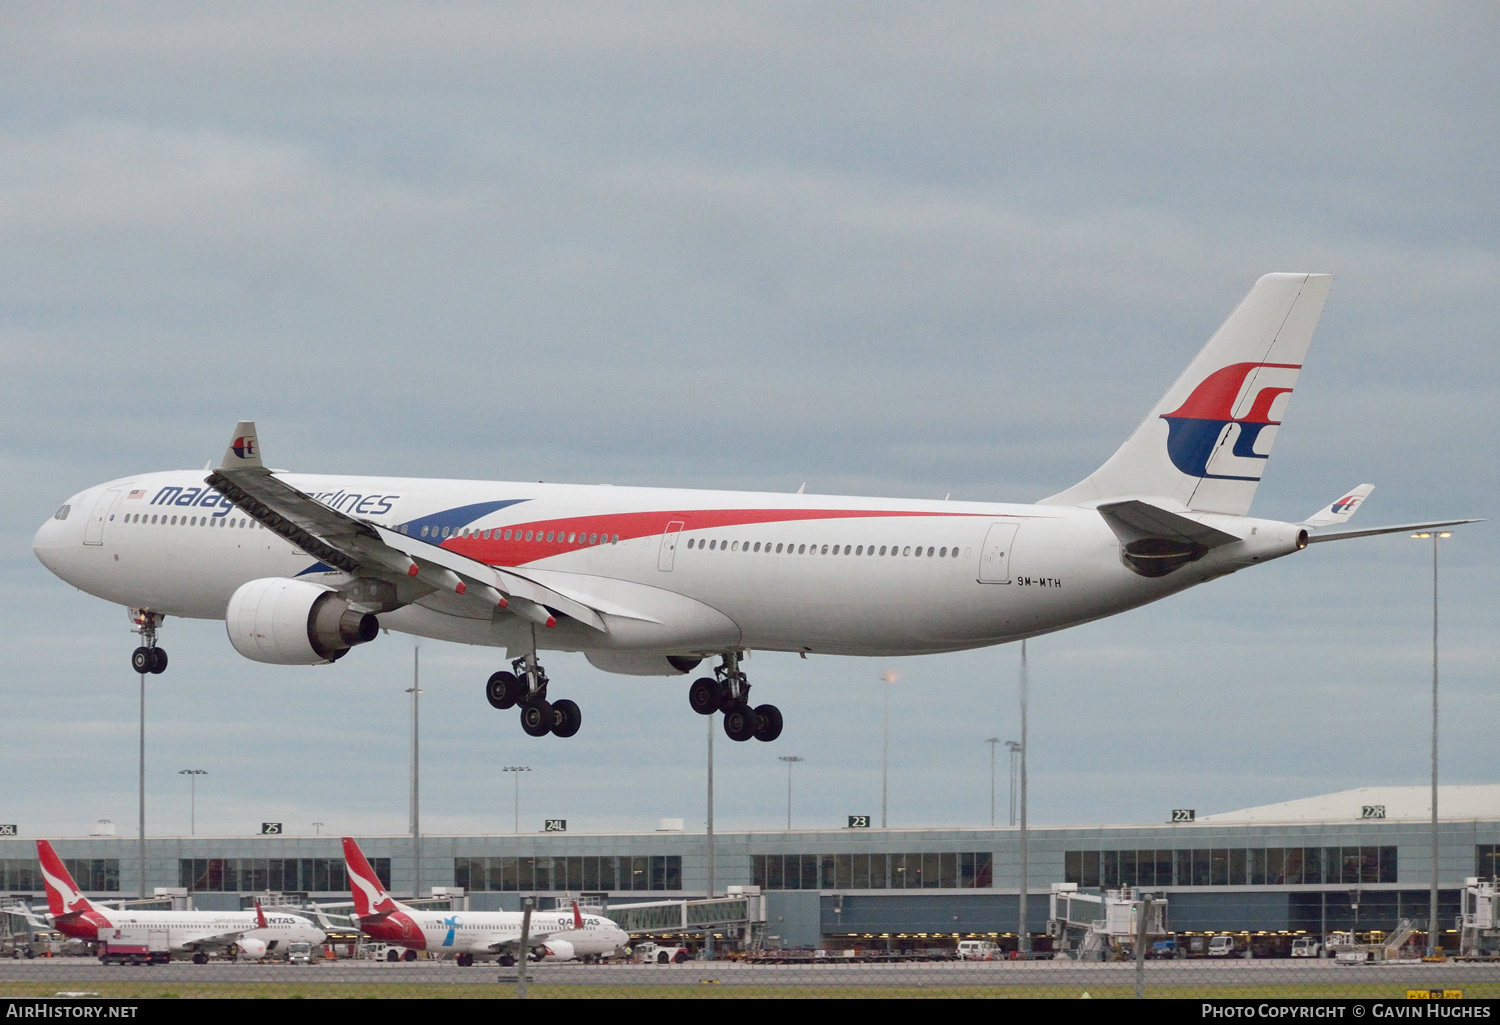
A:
(704, 695)
(158, 661)
(506, 961)
(770, 723)
(200, 958)
(536, 717)
(566, 718)
(503, 690)
(740, 723)
(410, 955)
(141, 660)
(464, 960)
(393, 954)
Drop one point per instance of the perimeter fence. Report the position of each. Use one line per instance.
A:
(1127, 951)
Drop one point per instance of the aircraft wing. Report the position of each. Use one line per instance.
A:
(23, 910)
(411, 568)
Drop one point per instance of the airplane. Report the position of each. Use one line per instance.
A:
(485, 935)
(255, 933)
(303, 568)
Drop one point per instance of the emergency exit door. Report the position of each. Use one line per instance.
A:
(994, 557)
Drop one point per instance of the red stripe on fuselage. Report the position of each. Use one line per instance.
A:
(498, 552)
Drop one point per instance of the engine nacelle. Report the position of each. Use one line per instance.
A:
(294, 623)
(557, 950)
(252, 948)
(642, 665)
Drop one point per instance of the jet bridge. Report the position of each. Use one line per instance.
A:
(1094, 926)
(742, 914)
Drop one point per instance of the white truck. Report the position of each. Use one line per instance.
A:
(978, 950)
(651, 953)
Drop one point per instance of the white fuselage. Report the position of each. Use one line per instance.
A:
(207, 930)
(487, 934)
(692, 572)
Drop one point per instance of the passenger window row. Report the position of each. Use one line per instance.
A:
(803, 549)
(562, 537)
(192, 521)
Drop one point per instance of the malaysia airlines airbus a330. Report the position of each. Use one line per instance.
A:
(648, 581)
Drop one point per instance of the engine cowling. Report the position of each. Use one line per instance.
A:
(294, 623)
(557, 950)
(642, 665)
(252, 948)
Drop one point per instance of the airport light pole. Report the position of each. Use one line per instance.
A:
(889, 678)
(790, 761)
(992, 741)
(517, 769)
(192, 775)
(415, 690)
(1432, 918)
(1023, 936)
(1015, 758)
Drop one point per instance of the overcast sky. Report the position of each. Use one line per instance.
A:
(888, 249)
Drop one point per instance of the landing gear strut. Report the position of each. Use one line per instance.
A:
(728, 691)
(148, 658)
(526, 685)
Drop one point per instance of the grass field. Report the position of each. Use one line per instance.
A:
(353, 991)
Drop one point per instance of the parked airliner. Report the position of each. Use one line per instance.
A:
(646, 581)
(253, 933)
(560, 935)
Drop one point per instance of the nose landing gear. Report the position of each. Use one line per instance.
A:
(526, 685)
(728, 691)
(148, 658)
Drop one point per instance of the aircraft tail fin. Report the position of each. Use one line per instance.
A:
(577, 916)
(369, 893)
(260, 916)
(63, 895)
(1205, 444)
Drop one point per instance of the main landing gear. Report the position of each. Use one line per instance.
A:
(148, 658)
(526, 685)
(728, 691)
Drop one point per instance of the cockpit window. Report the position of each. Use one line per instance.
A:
(62, 513)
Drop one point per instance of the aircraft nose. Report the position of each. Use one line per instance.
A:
(47, 544)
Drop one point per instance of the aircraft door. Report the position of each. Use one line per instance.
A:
(93, 533)
(668, 554)
(994, 557)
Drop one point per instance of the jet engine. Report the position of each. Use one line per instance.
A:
(251, 948)
(294, 623)
(557, 950)
(642, 665)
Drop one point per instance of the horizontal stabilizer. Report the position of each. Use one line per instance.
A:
(1341, 510)
(1154, 541)
(1135, 520)
(1341, 535)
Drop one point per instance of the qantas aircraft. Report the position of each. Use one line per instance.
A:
(553, 935)
(649, 581)
(254, 933)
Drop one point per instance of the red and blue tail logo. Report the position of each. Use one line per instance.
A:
(1204, 436)
(243, 447)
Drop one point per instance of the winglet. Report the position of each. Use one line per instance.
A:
(1340, 511)
(577, 916)
(243, 452)
(63, 896)
(260, 916)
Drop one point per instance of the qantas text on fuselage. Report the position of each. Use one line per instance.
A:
(303, 568)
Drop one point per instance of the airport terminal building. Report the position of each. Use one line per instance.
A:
(1358, 859)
